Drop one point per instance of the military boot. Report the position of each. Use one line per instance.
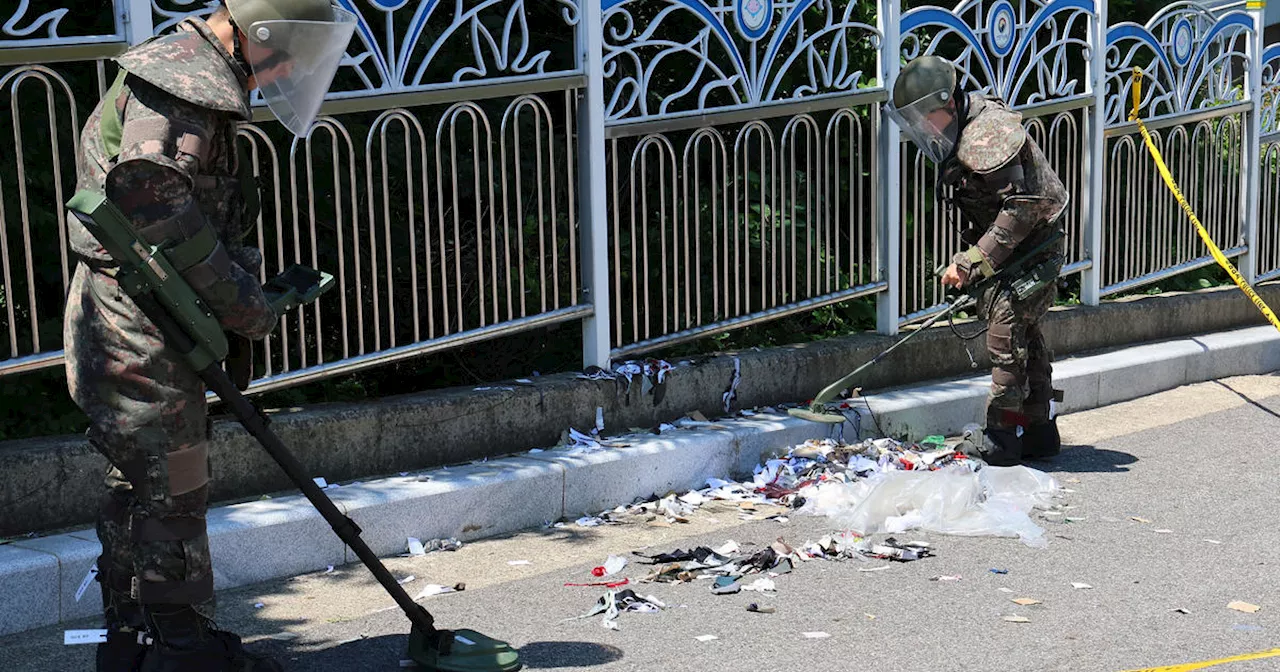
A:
(126, 640)
(1040, 440)
(186, 641)
(998, 447)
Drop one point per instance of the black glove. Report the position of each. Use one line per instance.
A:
(240, 360)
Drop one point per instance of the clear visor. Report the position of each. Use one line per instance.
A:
(294, 63)
(931, 128)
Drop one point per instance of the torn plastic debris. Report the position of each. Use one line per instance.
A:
(611, 566)
(992, 501)
(436, 589)
(731, 392)
(419, 547)
(614, 603)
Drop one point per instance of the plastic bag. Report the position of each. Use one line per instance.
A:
(995, 501)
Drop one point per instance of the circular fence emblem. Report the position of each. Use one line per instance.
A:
(1182, 42)
(1000, 28)
(754, 17)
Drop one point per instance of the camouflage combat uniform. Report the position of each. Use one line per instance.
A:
(174, 175)
(1012, 199)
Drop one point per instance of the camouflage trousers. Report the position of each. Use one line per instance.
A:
(148, 417)
(1021, 363)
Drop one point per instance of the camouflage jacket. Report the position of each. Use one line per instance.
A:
(1003, 185)
(176, 169)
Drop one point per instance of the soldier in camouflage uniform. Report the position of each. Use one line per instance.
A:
(162, 147)
(1012, 201)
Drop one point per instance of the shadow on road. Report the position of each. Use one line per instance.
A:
(386, 651)
(1248, 399)
(550, 655)
(1086, 459)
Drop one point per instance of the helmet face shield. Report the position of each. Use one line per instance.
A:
(294, 63)
(930, 125)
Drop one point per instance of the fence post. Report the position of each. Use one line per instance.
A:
(136, 17)
(592, 187)
(887, 184)
(1096, 160)
(1251, 138)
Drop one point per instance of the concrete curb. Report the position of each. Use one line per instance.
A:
(261, 540)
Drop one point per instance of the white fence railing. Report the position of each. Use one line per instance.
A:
(659, 170)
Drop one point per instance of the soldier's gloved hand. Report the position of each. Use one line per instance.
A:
(954, 276)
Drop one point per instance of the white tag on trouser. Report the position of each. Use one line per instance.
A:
(73, 637)
(1053, 409)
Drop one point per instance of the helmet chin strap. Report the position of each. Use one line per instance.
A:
(237, 52)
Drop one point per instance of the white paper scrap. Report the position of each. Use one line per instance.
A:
(518, 562)
(875, 569)
(320, 482)
(434, 589)
(416, 547)
(88, 578)
(761, 585)
(1213, 541)
(406, 579)
(1081, 586)
(1163, 531)
(730, 547)
(74, 637)
(706, 638)
(613, 565)
(328, 570)
(816, 635)
(258, 605)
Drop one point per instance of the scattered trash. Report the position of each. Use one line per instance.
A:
(1244, 606)
(320, 482)
(762, 586)
(726, 585)
(945, 578)
(1137, 519)
(600, 584)
(892, 550)
(1081, 586)
(1163, 531)
(613, 603)
(993, 570)
(1004, 590)
(611, 566)
(816, 635)
(1182, 610)
(1025, 601)
(328, 570)
(416, 547)
(258, 605)
(757, 609)
(874, 569)
(436, 589)
(1213, 541)
(731, 392)
(589, 521)
(407, 579)
(706, 638)
(515, 563)
(1017, 619)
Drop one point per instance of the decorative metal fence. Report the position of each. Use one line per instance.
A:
(658, 170)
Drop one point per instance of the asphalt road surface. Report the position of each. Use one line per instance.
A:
(1199, 463)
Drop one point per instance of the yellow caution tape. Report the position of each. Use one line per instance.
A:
(1186, 207)
(1190, 667)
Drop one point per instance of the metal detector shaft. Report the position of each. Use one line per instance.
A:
(256, 424)
(829, 392)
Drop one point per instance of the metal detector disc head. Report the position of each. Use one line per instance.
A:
(469, 651)
(816, 416)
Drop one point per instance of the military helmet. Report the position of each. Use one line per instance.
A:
(923, 87)
(294, 48)
(248, 12)
(924, 77)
